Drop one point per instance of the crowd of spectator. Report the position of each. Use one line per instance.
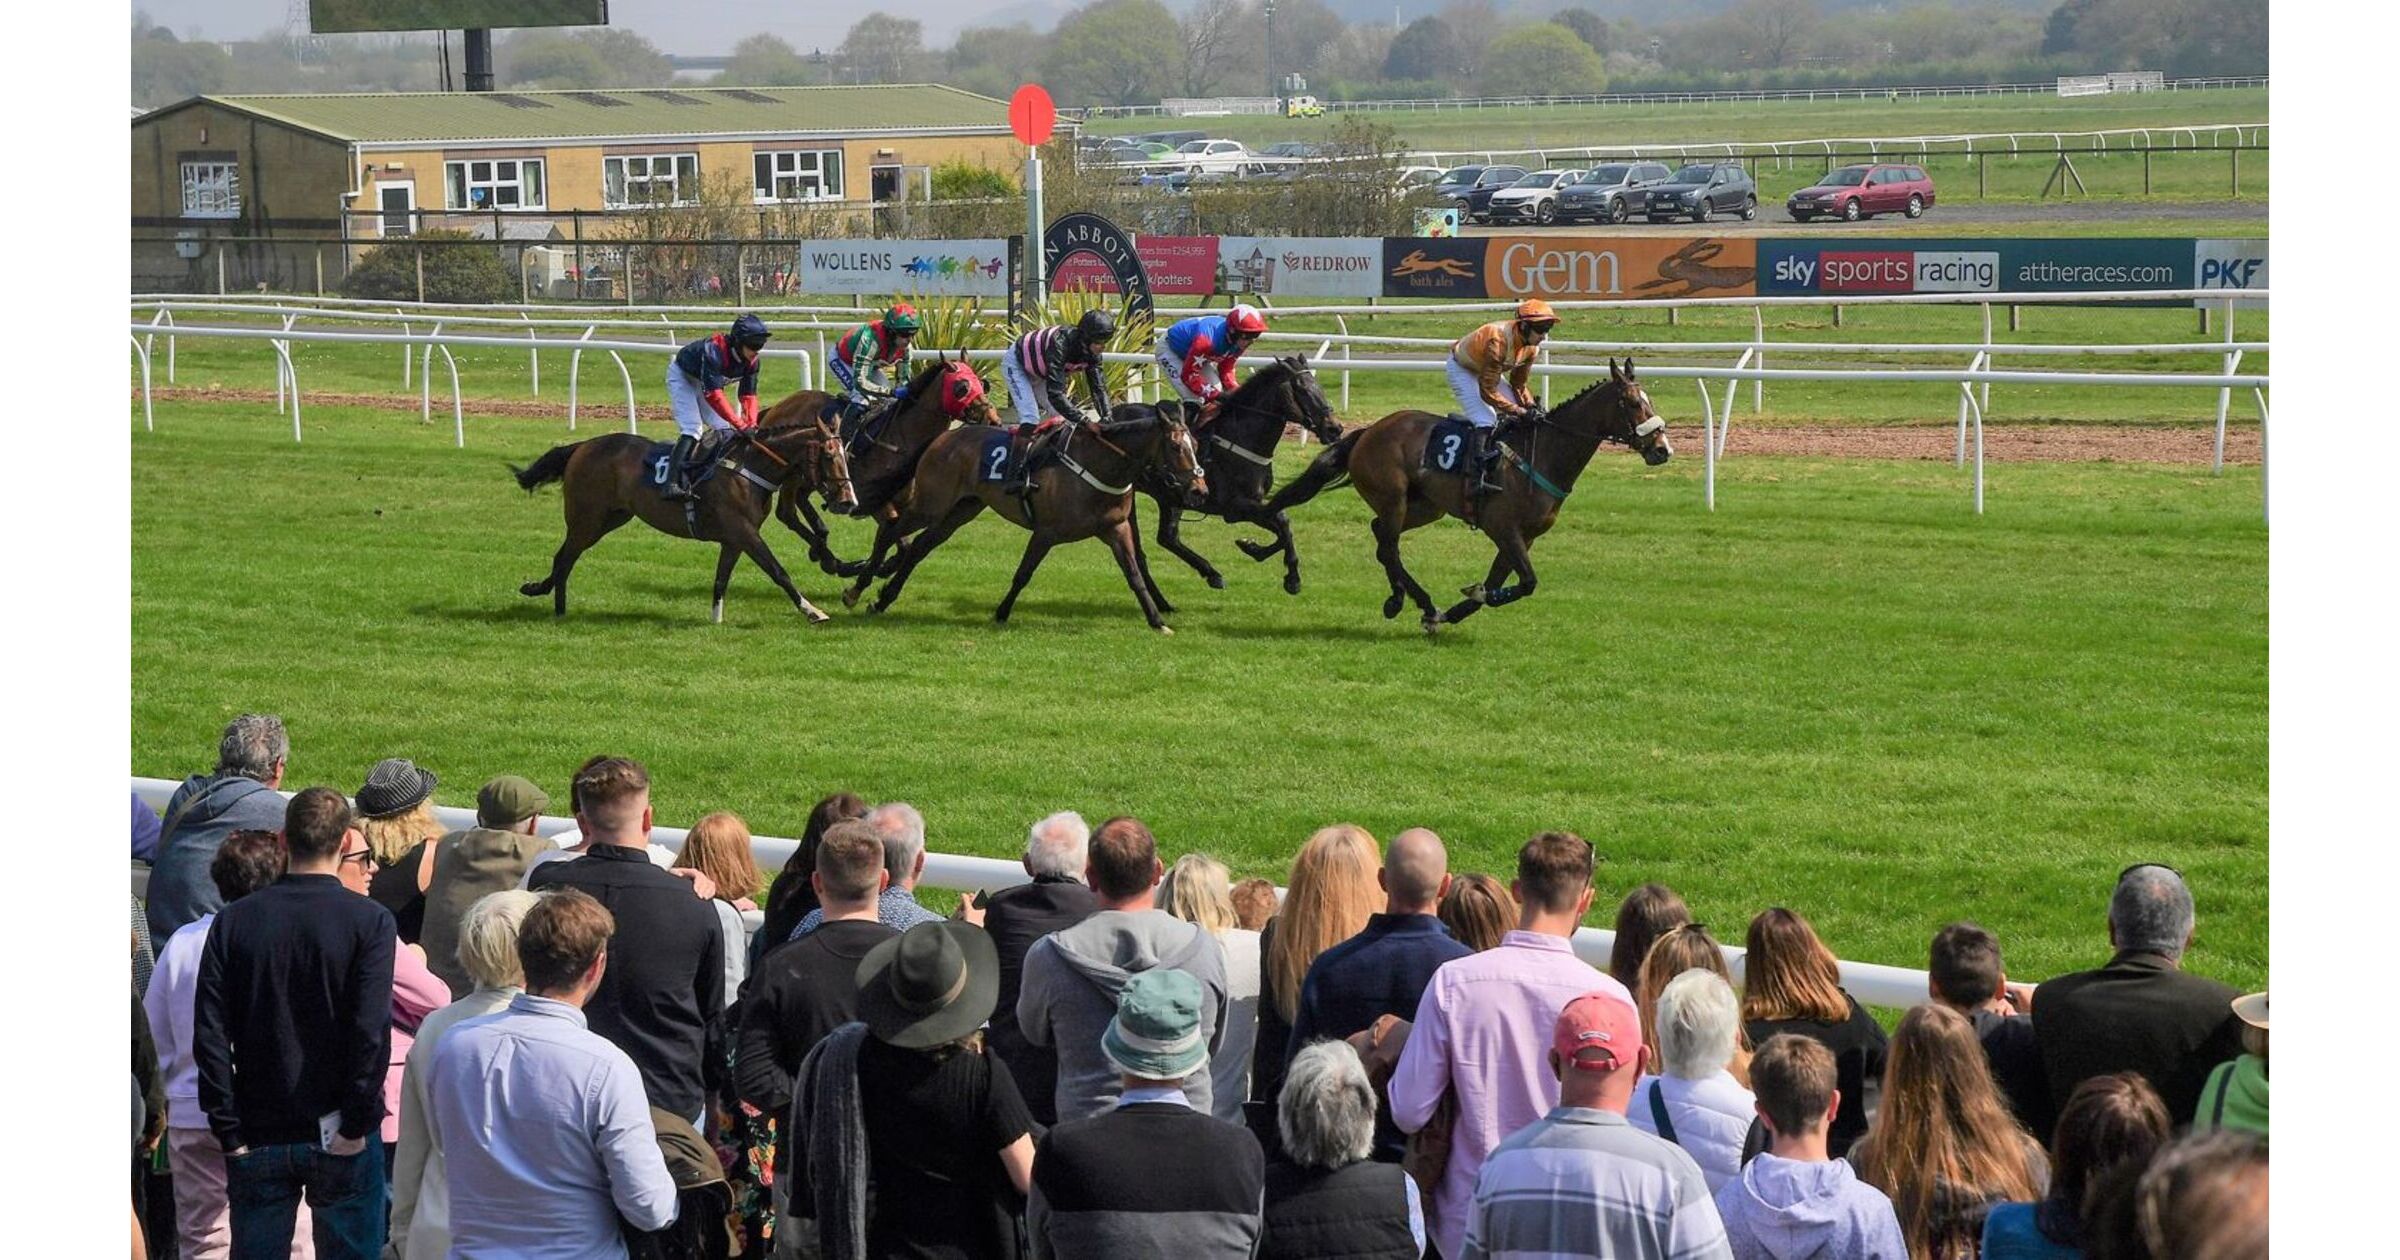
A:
(365, 1036)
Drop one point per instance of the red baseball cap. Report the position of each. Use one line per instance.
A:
(1598, 1032)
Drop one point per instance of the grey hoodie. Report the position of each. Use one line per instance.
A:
(1788, 1209)
(1069, 993)
(180, 889)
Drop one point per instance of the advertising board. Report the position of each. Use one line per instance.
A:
(1619, 266)
(1303, 266)
(328, 17)
(976, 268)
(2230, 264)
(1183, 265)
(1821, 265)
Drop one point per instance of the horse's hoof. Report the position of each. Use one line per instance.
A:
(1165, 607)
(1433, 622)
(716, 613)
(816, 616)
(850, 599)
(1168, 631)
(534, 588)
(1291, 583)
(1256, 551)
(1391, 607)
(1474, 592)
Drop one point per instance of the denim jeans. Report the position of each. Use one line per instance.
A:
(346, 1195)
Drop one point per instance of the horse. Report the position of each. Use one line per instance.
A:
(1237, 453)
(1084, 491)
(884, 448)
(608, 481)
(1542, 455)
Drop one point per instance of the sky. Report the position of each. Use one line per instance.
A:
(666, 23)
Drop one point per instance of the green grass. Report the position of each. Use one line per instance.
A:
(1842, 692)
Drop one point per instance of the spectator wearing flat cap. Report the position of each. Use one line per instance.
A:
(395, 814)
(474, 862)
(1155, 1175)
(907, 1103)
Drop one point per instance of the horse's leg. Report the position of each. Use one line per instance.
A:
(921, 546)
(1388, 526)
(1279, 522)
(1036, 547)
(1124, 541)
(1502, 566)
(1141, 560)
(793, 508)
(890, 529)
(583, 531)
(744, 534)
(1170, 536)
(728, 554)
(1515, 552)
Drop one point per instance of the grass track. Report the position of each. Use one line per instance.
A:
(1842, 692)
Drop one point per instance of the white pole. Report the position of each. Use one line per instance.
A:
(2225, 396)
(425, 378)
(458, 411)
(1708, 445)
(536, 353)
(1037, 288)
(407, 352)
(1758, 333)
(148, 425)
(632, 423)
(2261, 395)
(1987, 353)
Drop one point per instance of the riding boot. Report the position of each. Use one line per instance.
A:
(679, 465)
(1020, 447)
(1470, 477)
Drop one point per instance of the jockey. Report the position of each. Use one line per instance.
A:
(1051, 356)
(1478, 361)
(862, 360)
(1194, 345)
(699, 374)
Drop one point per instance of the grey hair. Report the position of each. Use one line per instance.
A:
(1697, 1019)
(487, 938)
(251, 746)
(1326, 1113)
(1059, 845)
(2151, 912)
(902, 830)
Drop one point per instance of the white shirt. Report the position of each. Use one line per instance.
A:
(547, 1137)
(1711, 1118)
(168, 1004)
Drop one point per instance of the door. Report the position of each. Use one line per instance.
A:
(1879, 190)
(883, 183)
(397, 201)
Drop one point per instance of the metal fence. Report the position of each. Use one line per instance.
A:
(1909, 92)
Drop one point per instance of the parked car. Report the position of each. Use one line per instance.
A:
(1413, 178)
(1171, 139)
(1213, 157)
(1700, 190)
(1291, 149)
(1474, 192)
(1599, 195)
(1533, 198)
(1861, 192)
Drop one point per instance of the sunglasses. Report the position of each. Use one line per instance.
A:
(364, 857)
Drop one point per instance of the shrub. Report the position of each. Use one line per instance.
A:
(453, 273)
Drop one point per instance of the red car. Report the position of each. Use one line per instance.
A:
(1858, 192)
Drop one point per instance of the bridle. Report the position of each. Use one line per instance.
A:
(1542, 418)
(833, 473)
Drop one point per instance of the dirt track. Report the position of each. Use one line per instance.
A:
(2192, 444)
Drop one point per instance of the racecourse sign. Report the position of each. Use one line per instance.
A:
(976, 268)
(1082, 233)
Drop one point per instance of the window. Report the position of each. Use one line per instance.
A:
(498, 183)
(657, 179)
(212, 190)
(800, 175)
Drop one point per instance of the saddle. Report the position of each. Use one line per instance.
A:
(860, 430)
(1446, 447)
(704, 460)
(1043, 451)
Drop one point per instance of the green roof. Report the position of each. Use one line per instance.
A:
(388, 117)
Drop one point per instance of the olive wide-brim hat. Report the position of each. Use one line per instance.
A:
(929, 986)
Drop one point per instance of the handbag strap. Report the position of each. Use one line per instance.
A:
(2221, 1081)
(1658, 1112)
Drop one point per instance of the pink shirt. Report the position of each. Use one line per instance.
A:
(416, 993)
(1483, 1030)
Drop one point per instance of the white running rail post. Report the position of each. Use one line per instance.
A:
(148, 425)
(2233, 359)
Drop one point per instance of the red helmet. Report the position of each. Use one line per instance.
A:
(1245, 319)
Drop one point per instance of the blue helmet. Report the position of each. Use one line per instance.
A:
(749, 331)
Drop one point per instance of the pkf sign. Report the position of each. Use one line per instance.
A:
(1082, 233)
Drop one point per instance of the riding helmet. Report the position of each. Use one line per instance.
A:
(750, 331)
(901, 319)
(1536, 313)
(1096, 327)
(1245, 319)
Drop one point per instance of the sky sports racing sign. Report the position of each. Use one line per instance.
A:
(920, 268)
(1818, 266)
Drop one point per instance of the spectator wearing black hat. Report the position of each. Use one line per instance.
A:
(291, 1030)
(474, 862)
(395, 814)
(239, 795)
(666, 986)
(907, 1102)
(2142, 1012)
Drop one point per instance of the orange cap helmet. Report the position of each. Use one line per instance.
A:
(1537, 312)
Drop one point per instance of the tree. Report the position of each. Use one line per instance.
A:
(1219, 43)
(2058, 33)
(764, 61)
(1472, 25)
(1424, 49)
(1116, 52)
(1775, 28)
(1588, 26)
(880, 47)
(632, 61)
(546, 60)
(166, 70)
(1544, 59)
(453, 273)
(993, 60)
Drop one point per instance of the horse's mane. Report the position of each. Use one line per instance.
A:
(925, 374)
(1593, 388)
(1264, 377)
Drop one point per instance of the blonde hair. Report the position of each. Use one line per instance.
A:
(487, 939)
(393, 835)
(1788, 973)
(1196, 891)
(1331, 895)
(1942, 1128)
(719, 847)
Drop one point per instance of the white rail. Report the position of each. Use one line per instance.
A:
(1993, 142)
(1872, 983)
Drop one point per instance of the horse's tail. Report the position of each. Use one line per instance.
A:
(550, 467)
(1328, 470)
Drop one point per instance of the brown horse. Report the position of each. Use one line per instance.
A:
(608, 481)
(1237, 452)
(1541, 456)
(1086, 492)
(884, 449)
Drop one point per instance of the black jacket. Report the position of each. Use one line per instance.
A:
(2140, 1013)
(1016, 918)
(1052, 356)
(1356, 1212)
(664, 989)
(1858, 1046)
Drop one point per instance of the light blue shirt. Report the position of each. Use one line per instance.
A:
(1155, 1094)
(547, 1135)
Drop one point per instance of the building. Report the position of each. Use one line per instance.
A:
(278, 189)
